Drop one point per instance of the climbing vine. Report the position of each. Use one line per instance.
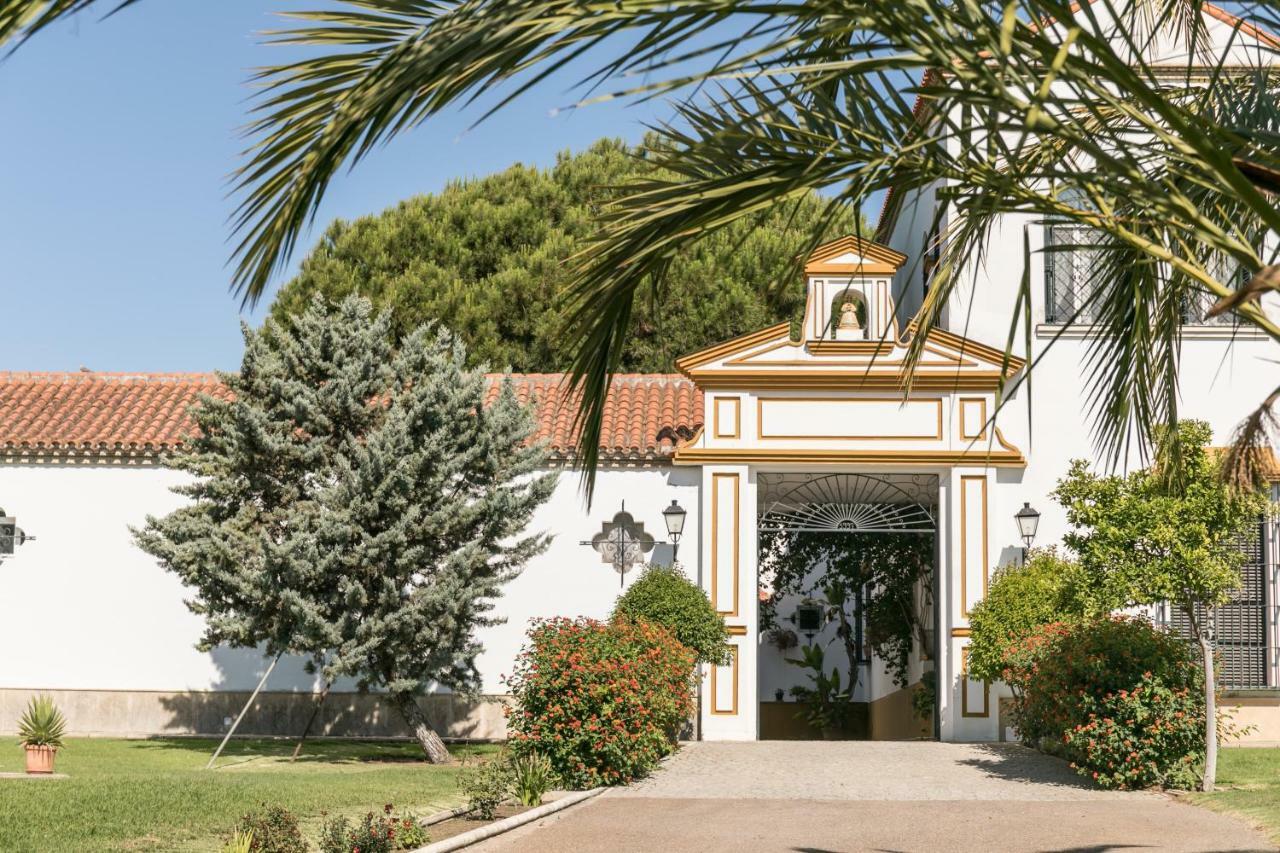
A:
(883, 580)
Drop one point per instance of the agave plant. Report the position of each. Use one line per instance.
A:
(42, 724)
(531, 777)
(240, 842)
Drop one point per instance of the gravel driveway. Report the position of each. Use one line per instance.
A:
(822, 797)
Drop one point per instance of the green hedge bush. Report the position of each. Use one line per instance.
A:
(602, 701)
(664, 596)
(1121, 699)
(1020, 599)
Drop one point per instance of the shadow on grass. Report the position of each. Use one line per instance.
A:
(314, 752)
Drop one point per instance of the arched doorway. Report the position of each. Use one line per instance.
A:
(848, 623)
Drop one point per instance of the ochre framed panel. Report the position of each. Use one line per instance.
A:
(725, 509)
(728, 417)
(965, 685)
(837, 410)
(729, 676)
(973, 539)
(973, 418)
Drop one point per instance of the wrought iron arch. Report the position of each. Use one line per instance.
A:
(847, 503)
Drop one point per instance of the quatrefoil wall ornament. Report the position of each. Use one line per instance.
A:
(622, 542)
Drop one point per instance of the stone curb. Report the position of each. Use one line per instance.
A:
(484, 833)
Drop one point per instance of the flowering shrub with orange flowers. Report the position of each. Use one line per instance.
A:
(603, 701)
(1120, 698)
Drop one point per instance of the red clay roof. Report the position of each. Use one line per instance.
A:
(646, 414)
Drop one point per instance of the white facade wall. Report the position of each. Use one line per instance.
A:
(82, 608)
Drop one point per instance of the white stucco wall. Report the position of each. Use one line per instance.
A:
(82, 608)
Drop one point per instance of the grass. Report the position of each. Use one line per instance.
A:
(156, 795)
(1248, 786)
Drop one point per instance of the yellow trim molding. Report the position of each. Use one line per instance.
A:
(883, 256)
(952, 379)
(934, 458)
(760, 434)
(981, 434)
(715, 540)
(686, 363)
(733, 708)
(721, 430)
(964, 542)
(877, 347)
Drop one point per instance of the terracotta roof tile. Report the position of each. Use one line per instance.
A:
(645, 416)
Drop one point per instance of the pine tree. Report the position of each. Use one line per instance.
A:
(356, 502)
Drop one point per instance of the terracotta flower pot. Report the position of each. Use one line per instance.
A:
(40, 759)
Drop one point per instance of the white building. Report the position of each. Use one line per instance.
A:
(762, 427)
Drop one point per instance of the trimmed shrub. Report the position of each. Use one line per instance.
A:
(664, 596)
(1120, 698)
(1021, 598)
(274, 829)
(602, 701)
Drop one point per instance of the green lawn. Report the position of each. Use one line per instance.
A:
(156, 795)
(1248, 786)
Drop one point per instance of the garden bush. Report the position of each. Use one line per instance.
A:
(274, 829)
(486, 786)
(1150, 735)
(1118, 697)
(373, 833)
(601, 701)
(1021, 598)
(664, 596)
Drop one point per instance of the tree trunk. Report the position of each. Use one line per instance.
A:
(315, 712)
(432, 745)
(1210, 718)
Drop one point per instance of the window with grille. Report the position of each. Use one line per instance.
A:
(1240, 624)
(1070, 258)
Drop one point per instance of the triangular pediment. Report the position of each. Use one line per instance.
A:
(851, 254)
(771, 359)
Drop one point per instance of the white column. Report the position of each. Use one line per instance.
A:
(967, 707)
(729, 575)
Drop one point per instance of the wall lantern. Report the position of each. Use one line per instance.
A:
(1028, 522)
(11, 535)
(674, 516)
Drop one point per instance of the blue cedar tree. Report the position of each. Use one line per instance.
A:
(353, 501)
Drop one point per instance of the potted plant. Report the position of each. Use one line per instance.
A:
(40, 731)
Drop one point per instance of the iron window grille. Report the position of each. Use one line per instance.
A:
(1071, 253)
(1242, 628)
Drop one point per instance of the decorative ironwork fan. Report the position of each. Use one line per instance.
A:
(849, 503)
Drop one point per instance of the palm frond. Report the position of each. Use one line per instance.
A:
(21, 19)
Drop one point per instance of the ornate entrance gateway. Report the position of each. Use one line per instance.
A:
(822, 432)
(862, 547)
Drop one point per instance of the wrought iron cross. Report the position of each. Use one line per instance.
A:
(621, 542)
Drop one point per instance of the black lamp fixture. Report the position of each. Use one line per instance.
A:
(11, 535)
(674, 516)
(1028, 522)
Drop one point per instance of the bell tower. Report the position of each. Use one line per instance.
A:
(849, 293)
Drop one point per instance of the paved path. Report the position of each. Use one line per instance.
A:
(815, 797)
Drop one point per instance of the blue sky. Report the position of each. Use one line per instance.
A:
(116, 138)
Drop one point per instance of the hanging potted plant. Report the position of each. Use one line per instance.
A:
(40, 731)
